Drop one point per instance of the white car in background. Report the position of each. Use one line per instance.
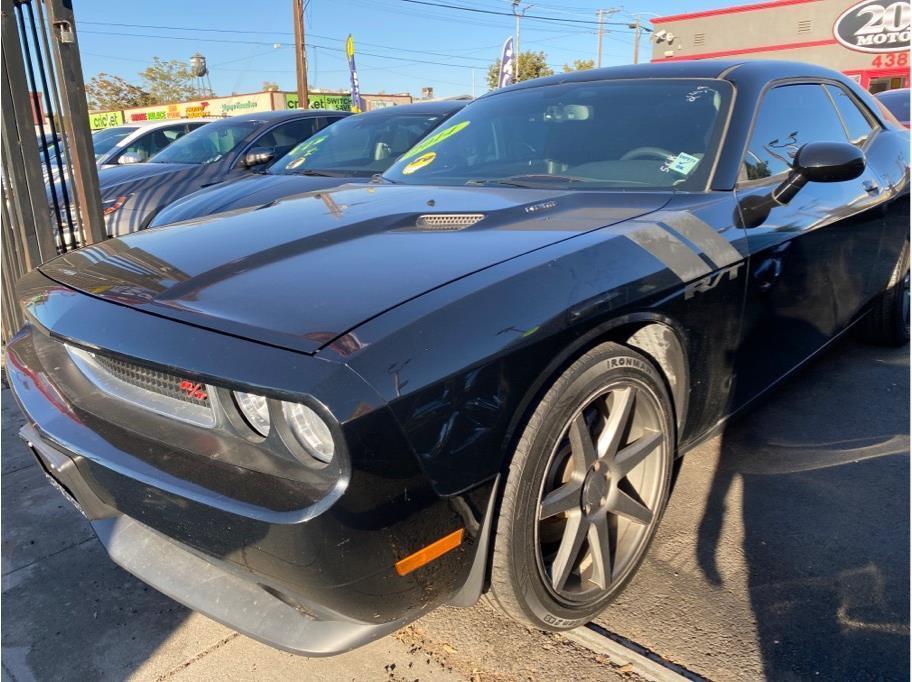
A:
(132, 142)
(137, 142)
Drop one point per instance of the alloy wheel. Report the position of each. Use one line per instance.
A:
(601, 492)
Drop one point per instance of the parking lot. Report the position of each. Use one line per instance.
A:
(784, 553)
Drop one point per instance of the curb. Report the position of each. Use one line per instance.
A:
(645, 667)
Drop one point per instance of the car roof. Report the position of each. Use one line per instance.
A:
(765, 69)
(440, 106)
(286, 115)
(895, 92)
(146, 125)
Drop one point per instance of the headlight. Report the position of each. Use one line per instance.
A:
(108, 206)
(310, 430)
(255, 409)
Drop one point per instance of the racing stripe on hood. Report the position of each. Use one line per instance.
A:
(714, 246)
(677, 256)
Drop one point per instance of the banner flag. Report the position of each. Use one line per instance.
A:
(357, 105)
(506, 76)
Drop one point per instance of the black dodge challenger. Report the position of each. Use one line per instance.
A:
(317, 420)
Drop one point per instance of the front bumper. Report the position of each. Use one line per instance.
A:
(265, 551)
(216, 588)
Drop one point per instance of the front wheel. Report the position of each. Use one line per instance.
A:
(585, 492)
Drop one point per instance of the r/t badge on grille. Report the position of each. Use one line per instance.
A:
(193, 389)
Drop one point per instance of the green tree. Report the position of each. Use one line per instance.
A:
(170, 81)
(270, 86)
(106, 92)
(531, 65)
(580, 65)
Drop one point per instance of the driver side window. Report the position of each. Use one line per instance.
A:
(789, 116)
(153, 142)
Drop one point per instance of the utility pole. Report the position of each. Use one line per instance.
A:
(637, 29)
(516, 42)
(601, 26)
(300, 52)
(519, 15)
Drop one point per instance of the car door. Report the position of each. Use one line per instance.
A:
(811, 259)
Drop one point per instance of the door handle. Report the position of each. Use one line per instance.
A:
(871, 187)
(768, 273)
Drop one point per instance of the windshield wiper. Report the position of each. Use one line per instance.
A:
(532, 180)
(318, 173)
(494, 181)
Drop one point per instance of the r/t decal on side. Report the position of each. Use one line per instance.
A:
(701, 286)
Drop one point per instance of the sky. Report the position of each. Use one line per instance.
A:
(401, 45)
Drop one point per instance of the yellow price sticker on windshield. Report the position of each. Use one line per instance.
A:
(434, 139)
(420, 162)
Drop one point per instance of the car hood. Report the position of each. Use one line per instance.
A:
(255, 190)
(135, 177)
(300, 273)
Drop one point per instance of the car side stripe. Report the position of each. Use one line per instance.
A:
(714, 246)
(674, 254)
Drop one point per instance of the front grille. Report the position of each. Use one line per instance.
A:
(161, 392)
(151, 380)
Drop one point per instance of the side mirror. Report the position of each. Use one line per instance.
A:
(814, 162)
(830, 161)
(258, 156)
(128, 158)
(821, 162)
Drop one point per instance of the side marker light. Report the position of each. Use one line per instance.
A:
(426, 555)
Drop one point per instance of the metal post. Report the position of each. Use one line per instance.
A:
(30, 217)
(10, 270)
(601, 27)
(75, 115)
(637, 29)
(300, 53)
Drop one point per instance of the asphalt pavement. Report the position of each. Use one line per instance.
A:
(784, 554)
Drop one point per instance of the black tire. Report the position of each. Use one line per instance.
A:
(888, 321)
(536, 588)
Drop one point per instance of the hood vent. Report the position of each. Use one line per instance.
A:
(448, 221)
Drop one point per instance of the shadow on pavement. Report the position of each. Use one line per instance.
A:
(68, 612)
(823, 472)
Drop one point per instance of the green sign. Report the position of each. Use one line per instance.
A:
(319, 100)
(105, 119)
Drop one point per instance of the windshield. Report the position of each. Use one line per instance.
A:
(357, 145)
(104, 140)
(632, 134)
(897, 101)
(206, 144)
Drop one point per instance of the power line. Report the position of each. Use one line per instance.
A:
(478, 10)
(241, 32)
(253, 42)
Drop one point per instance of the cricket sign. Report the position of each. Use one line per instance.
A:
(875, 26)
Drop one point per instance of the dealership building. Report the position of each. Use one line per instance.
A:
(868, 40)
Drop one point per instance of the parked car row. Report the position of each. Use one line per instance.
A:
(473, 365)
(159, 173)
